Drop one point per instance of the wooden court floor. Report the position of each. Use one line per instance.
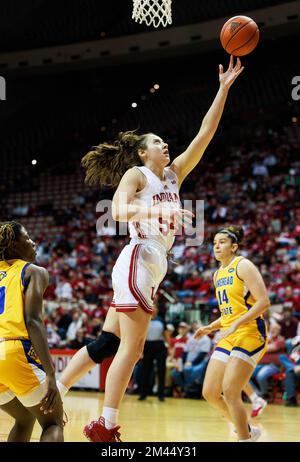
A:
(175, 420)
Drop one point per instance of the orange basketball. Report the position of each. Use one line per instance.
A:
(239, 35)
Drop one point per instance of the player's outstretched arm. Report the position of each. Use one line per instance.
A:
(37, 281)
(124, 210)
(188, 160)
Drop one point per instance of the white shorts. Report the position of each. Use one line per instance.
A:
(136, 276)
(249, 346)
(31, 399)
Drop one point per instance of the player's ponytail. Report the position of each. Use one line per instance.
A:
(9, 232)
(238, 232)
(106, 163)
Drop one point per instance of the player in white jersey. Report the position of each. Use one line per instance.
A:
(135, 284)
(147, 197)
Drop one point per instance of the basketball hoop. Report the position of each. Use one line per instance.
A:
(152, 12)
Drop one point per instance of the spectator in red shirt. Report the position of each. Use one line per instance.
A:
(99, 313)
(78, 282)
(176, 351)
(288, 322)
(177, 344)
(291, 299)
(270, 363)
(193, 282)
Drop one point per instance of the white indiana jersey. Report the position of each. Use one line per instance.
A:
(156, 192)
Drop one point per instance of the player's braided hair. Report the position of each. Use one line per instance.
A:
(106, 163)
(9, 232)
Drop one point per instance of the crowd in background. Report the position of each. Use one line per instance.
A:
(255, 185)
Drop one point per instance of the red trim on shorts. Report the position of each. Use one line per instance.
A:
(140, 294)
(133, 282)
(124, 306)
(125, 310)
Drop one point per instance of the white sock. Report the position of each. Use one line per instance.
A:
(253, 397)
(248, 428)
(111, 417)
(62, 389)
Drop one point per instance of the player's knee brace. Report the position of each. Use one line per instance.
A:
(104, 346)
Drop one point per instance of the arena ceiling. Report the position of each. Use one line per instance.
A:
(35, 24)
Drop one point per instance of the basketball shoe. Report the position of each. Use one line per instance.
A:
(258, 406)
(255, 433)
(96, 432)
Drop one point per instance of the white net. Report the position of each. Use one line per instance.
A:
(153, 12)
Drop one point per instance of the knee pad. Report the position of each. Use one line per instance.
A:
(104, 346)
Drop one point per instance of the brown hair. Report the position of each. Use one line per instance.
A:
(236, 234)
(10, 231)
(106, 163)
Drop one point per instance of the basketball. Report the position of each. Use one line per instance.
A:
(239, 35)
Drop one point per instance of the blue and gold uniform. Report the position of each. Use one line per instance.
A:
(21, 372)
(249, 341)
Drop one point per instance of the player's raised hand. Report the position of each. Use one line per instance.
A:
(234, 70)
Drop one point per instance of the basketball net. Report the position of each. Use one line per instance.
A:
(152, 12)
